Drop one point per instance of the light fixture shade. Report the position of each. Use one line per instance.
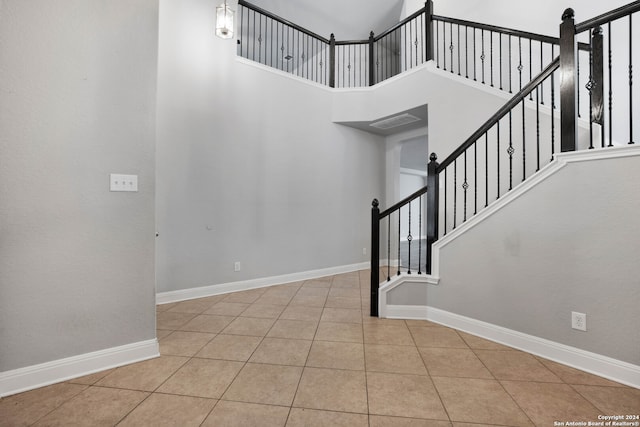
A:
(224, 21)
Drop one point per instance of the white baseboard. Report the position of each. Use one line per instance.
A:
(597, 364)
(30, 377)
(225, 288)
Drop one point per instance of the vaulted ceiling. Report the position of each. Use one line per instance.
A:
(348, 20)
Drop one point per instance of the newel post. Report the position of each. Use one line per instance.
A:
(568, 82)
(428, 10)
(332, 61)
(372, 74)
(375, 256)
(597, 78)
(432, 206)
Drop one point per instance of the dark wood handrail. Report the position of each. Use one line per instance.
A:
(403, 202)
(282, 20)
(400, 24)
(347, 42)
(612, 15)
(517, 98)
(507, 31)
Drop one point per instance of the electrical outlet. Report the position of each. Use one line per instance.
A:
(579, 321)
(236, 266)
(120, 182)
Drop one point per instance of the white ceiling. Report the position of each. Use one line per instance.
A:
(347, 19)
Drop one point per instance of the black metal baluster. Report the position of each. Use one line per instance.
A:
(531, 64)
(553, 107)
(349, 67)
(437, 44)
(538, 130)
(500, 58)
(466, 51)
(455, 192)
(423, 41)
(520, 67)
(541, 67)
(510, 150)
(578, 84)
(253, 51)
(389, 247)
(260, 41)
(474, 54)
(631, 81)
(524, 146)
(416, 42)
(465, 186)
(409, 44)
(420, 234)
(459, 64)
(482, 56)
(445, 202)
(399, 259)
(589, 87)
(451, 45)
(486, 169)
(409, 239)
(610, 88)
(498, 162)
(475, 177)
(241, 29)
(297, 49)
(271, 45)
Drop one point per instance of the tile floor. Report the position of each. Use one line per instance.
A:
(307, 354)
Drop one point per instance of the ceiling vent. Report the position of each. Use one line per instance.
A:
(393, 122)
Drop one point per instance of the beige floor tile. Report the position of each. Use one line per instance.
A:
(294, 329)
(343, 332)
(230, 347)
(95, 406)
(266, 311)
(161, 333)
(282, 351)
(317, 283)
(195, 306)
(269, 299)
(308, 301)
(344, 293)
(343, 302)
(393, 359)
(377, 333)
(312, 292)
(384, 421)
(479, 401)
(367, 318)
(91, 379)
(245, 297)
(343, 315)
(336, 355)
(453, 362)
(404, 395)
(478, 343)
(249, 326)
(310, 417)
(145, 376)
(436, 337)
(225, 308)
(207, 323)
(282, 291)
(302, 313)
(202, 378)
(235, 414)
(167, 410)
(612, 400)
(26, 408)
(172, 321)
(545, 403)
(575, 376)
(165, 307)
(515, 365)
(331, 389)
(181, 343)
(268, 384)
(345, 282)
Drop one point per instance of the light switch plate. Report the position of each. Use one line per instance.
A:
(120, 182)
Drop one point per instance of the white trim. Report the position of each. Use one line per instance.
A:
(30, 377)
(597, 364)
(225, 288)
(385, 310)
(560, 161)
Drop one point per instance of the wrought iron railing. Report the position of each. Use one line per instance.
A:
(515, 142)
(273, 41)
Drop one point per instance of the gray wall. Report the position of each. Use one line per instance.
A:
(250, 167)
(77, 97)
(570, 244)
